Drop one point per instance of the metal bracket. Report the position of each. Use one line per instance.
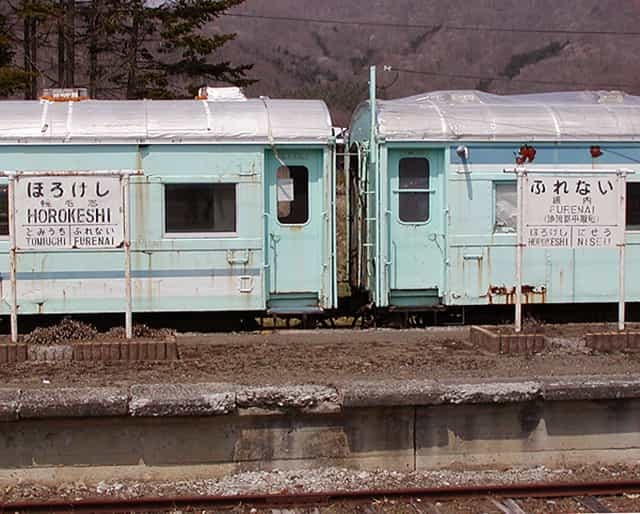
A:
(243, 259)
(251, 173)
(247, 284)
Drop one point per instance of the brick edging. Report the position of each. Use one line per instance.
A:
(613, 341)
(507, 343)
(11, 353)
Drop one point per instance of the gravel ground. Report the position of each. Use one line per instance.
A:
(332, 357)
(337, 479)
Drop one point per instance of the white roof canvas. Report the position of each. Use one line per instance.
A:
(165, 121)
(475, 115)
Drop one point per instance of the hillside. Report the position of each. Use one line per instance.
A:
(294, 58)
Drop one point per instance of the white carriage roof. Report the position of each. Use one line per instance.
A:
(256, 120)
(475, 115)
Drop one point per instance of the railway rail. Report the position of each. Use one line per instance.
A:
(502, 496)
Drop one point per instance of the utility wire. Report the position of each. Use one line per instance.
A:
(462, 28)
(465, 28)
(507, 79)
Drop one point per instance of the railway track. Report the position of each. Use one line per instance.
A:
(507, 499)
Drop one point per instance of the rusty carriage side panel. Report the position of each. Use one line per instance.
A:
(484, 134)
(502, 295)
(173, 268)
(90, 232)
(484, 283)
(482, 238)
(197, 211)
(183, 262)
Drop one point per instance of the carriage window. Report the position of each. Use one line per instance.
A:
(4, 210)
(292, 184)
(506, 214)
(200, 208)
(633, 205)
(413, 175)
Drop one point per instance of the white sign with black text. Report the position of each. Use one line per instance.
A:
(74, 211)
(572, 211)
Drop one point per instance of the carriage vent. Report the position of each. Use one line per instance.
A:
(65, 94)
(221, 94)
(457, 97)
(610, 97)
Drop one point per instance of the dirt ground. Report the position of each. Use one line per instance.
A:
(331, 357)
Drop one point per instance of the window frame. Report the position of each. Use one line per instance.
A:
(309, 197)
(5, 237)
(496, 183)
(627, 226)
(398, 192)
(494, 191)
(198, 235)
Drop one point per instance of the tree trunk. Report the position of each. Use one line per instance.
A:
(62, 52)
(70, 30)
(33, 57)
(26, 49)
(30, 49)
(94, 13)
(132, 90)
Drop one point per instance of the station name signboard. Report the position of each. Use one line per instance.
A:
(68, 211)
(571, 211)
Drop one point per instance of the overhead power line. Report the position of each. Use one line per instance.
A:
(492, 78)
(465, 28)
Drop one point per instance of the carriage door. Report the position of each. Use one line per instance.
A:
(416, 227)
(294, 229)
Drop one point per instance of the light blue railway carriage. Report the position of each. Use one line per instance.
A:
(232, 209)
(437, 218)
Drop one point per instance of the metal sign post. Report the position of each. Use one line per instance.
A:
(128, 317)
(521, 175)
(621, 179)
(569, 209)
(66, 210)
(13, 256)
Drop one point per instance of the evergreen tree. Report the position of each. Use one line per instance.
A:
(118, 48)
(11, 78)
(166, 49)
(35, 18)
(99, 21)
(131, 36)
(186, 48)
(65, 13)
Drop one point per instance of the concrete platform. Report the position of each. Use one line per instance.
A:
(205, 430)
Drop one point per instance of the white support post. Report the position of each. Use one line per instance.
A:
(519, 249)
(127, 258)
(617, 213)
(621, 302)
(13, 258)
(124, 177)
(622, 188)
